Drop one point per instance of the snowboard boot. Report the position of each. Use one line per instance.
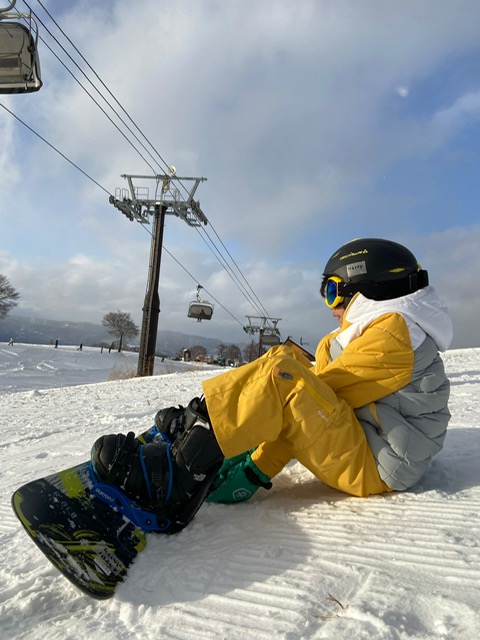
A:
(168, 423)
(171, 421)
(197, 457)
(121, 461)
(172, 480)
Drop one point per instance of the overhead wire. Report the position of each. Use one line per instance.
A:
(162, 160)
(231, 273)
(262, 308)
(247, 291)
(209, 294)
(195, 279)
(217, 253)
(54, 148)
(106, 191)
(223, 262)
(91, 83)
(76, 166)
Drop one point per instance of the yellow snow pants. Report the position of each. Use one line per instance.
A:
(278, 406)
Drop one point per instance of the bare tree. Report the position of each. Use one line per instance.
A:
(199, 352)
(234, 353)
(222, 351)
(120, 324)
(8, 296)
(251, 351)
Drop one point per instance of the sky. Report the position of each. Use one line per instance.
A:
(313, 121)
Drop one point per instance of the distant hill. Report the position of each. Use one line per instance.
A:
(37, 331)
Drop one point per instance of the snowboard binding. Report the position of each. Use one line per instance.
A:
(143, 518)
(160, 483)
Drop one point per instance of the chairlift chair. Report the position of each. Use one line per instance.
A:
(19, 62)
(200, 309)
(270, 339)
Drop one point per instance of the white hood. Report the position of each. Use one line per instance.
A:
(423, 311)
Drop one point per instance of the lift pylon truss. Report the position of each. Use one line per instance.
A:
(136, 203)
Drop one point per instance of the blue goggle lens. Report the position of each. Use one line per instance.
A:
(332, 296)
(331, 292)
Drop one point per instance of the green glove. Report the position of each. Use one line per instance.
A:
(237, 480)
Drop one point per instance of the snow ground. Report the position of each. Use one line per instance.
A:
(301, 561)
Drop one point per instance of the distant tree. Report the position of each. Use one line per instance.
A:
(120, 324)
(222, 351)
(8, 296)
(251, 351)
(233, 353)
(199, 352)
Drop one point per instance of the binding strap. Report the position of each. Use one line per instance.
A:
(120, 466)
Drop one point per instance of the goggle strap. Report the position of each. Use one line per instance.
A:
(388, 289)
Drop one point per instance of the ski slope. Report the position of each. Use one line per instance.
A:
(301, 561)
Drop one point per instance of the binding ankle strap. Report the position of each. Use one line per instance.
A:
(119, 467)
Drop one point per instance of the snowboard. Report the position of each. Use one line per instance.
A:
(91, 532)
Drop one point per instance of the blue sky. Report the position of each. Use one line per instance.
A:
(313, 121)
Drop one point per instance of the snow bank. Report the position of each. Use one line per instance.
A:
(301, 561)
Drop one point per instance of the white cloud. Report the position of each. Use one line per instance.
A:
(464, 110)
(402, 91)
(284, 106)
(8, 169)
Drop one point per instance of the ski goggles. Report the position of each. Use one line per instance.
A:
(330, 291)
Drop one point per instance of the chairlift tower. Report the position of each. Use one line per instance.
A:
(136, 203)
(268, 333)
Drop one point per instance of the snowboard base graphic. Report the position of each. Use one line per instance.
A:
(82, 526)
(89, 541)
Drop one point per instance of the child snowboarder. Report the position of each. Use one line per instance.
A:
(366, 418)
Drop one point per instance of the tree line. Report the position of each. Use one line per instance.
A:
(120, 325)
(227, 354)
(8, 296)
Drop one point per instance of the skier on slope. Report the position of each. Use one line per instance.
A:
(366, 418)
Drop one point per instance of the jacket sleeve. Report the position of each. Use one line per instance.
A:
(271, 457)
(373, 365)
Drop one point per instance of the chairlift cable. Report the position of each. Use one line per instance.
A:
(229, 270)
(129, 129)
(225, 264)
(162, 160)
(107, 192)
(240, 271)
(210, 295)
(55, 149)
(92, 97)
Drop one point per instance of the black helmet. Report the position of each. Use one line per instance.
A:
(379, 269)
